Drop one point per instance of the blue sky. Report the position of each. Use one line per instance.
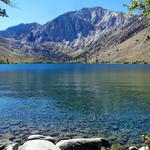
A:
(42, 11)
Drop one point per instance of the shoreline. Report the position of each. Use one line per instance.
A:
(79, 63)
(117, 145)
(33, 141)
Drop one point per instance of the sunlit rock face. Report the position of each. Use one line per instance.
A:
(73, 25)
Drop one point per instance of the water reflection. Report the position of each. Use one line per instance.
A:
(85, 99)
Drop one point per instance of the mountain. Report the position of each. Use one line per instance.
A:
(73, 25)
(68, 26)
(76, 36)
(19, 31)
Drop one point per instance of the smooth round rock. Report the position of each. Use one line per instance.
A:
(36, 136)
(39, 145)
(4, 143)
(133, 148)
(49, 138)
(80, 144)
(12, 147)
(41, 137)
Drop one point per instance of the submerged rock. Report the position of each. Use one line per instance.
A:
(8, 136)
(81, 144)
(36, 136)
(38, 145)
(41, 137)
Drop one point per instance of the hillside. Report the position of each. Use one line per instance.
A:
(133, 51)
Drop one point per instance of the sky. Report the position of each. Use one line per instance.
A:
(42, 11)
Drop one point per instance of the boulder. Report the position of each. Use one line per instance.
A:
(38, 145)
(41, 137)
(4, 144)
(144, 148)
(12, 147)
(82, 144)
(49, 138)
(35, 136)
(20, 147)
(105, 143)
(133, 148)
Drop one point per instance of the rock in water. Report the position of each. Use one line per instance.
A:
(133, 148)
(41, 137)
(81, 144)
(7, 144)
(36, 136)
(12, 147)
(8, 136)
(49, 138)
(144, 148)
(39, 145)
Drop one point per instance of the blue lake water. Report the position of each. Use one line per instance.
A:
(111, 101)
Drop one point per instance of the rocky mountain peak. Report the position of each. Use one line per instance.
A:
(84, 22)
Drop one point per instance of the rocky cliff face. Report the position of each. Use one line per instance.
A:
(74, 25)
(73, 34)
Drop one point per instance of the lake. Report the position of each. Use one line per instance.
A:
(111, 101)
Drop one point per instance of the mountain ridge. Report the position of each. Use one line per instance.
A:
(74, 35)
(79, 20)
